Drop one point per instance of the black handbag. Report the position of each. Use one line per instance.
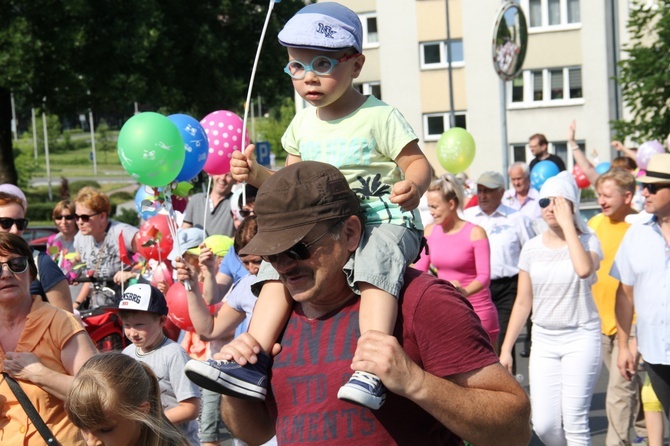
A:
(30, 410)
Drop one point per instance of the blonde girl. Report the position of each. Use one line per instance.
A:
(116, 400)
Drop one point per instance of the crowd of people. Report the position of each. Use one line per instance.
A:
(325, 309)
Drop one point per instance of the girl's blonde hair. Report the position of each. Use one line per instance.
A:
(450, 187)
(114, 384)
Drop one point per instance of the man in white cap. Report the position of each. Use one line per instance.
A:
(507, 230)
(642, 265)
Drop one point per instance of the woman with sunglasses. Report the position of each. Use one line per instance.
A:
(50, 282)
(556, 271)
(63, 216)
(60, 246)
(41, 347)
(97, 245)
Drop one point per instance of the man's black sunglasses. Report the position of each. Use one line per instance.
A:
(655, 187)
(6, 223)
(299, 251)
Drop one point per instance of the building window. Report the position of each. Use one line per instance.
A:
(517, 89)
(550, 86)
(538, 88)
(519, 152)
(575, 82)
(561, 150)
(552, 13)
(370, 88)
(434, 124)
(370, 33)
(434, 54)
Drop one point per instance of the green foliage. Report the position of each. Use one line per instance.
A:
(644, 78)
(272, 128)
(40, 211)
(25, 167)
(54, 132)
(128, 216)
(121, 197)
(75, 186)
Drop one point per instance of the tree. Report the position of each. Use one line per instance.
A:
(643, 77)
(191, 57)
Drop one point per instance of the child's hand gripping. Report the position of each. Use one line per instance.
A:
(406, 194)
(243, 165)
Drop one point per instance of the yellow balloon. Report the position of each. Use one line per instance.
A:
(456, 150)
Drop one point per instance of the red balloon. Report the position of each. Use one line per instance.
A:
(178, 307)
(162, 273)
(155, 239)
(580, 177)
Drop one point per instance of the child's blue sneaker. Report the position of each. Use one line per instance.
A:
(364, 389)
(229, 378)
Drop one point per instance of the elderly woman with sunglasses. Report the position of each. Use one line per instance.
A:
(557, 269)
(41, 347)
(97, 244)
(50, 282)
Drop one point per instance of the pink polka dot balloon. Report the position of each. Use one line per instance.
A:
(224, 134)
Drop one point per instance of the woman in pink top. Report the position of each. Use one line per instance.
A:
(459, 251)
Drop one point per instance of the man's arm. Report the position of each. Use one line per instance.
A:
(485, 406)
(624, 310)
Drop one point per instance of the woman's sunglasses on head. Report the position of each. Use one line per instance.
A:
(6, 223)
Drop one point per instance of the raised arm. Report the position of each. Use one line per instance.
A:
(580, 157)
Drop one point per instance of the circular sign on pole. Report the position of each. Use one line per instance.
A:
(509, 40)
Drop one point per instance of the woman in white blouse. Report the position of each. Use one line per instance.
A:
(557, 269)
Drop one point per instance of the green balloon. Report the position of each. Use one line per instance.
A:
(151, 149)
(456, 150)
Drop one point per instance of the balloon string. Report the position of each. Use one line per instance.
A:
(172, 225)
(251, 85)
(208, 201)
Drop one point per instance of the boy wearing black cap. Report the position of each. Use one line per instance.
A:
(377, 151)
(143, 311)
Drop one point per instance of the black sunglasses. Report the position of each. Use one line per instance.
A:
(67, 217)
(85, 218)
(244, 213)
(544, 202)
(17, 265)
(6, 223)
(299, 251)
(654, 187)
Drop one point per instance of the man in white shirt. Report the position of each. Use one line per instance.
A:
(507, 230)
(642, 265)
(522, 196)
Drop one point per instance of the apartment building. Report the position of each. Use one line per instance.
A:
(573, 47)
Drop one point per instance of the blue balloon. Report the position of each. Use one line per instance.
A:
(603, 167)
(195, 145)
(145, 203)
(541, 172)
